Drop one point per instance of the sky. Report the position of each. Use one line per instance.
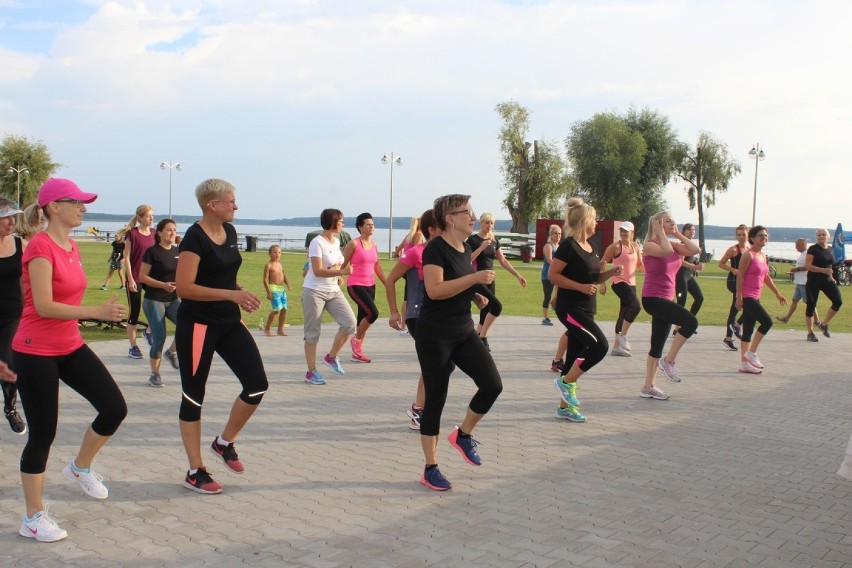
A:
(295, 102)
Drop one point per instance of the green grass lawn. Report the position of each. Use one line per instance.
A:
(517, 301)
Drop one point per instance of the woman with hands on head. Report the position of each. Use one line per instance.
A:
(48, 348)
(577, 271)
(208, 322)
(752, 274)
(445, 336)
(662, 259)
(624, 253)
(484, 250)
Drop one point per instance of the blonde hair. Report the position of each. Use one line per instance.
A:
(741, 227)
(141, 210)
(273, 247)
(652, 221)
(487, 217)
(413, 228)
(28, 222)
(579, 216)
(212, 189)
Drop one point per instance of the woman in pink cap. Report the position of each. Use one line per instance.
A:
(48, 348)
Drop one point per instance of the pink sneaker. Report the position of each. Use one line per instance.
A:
(357, 353)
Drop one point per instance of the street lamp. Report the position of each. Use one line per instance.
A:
(393, 161)
(19, 170)
(170, 166)
(757, 154)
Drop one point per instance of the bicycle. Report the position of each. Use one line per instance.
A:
(843, 273)
(108, 325)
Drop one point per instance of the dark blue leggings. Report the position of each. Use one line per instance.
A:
(586, 342)
(664, 313)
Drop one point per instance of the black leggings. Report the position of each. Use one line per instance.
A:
(365, 298)
(438, 357)
(7, 333)
(827, 286)
(690, 286)
(494, 306)
(38, 382)
(196, 343)
(629, 304)
(664, 313)
(586, 342)
(547, 286)
(134, 303)
(732, 311)
(754, 312)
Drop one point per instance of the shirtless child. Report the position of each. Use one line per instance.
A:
(274, 280)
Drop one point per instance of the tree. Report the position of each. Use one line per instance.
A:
(534, 174)
(18, 152)
(607, 158)
(707, 169)
(657, 168)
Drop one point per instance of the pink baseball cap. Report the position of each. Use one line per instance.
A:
(55, 189)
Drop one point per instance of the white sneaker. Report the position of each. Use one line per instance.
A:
(42, 528)
(752, 358)
(746, 367)
(620, 351)
(623, 342)
(92, 483)
(669, 370)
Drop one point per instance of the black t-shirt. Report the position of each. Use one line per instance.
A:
(582, 267)
(823, 258)
(10, 285)
(485, 260)
(448, 318)
(117, 251)
(217, 268)
(163, 267)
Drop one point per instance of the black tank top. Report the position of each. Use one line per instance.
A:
(735, 263)
(10, 285)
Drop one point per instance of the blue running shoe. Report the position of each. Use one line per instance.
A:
(334, 363)
(571, 413)
(149, 337)
(568, 391)
(465, 446)
(434, 479)
(134, 352)
(314, 378)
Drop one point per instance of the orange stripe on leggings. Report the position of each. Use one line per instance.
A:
(199, 332)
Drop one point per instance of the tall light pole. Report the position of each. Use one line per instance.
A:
(393, 161)
(757, 154)
(19, 170)
(170, 166)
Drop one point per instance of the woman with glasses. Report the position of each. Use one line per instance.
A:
(363, 255)
(734, 254)
(752, 274)
(445, 336)
(624, 253)
(547, 250)
(48, 348)
(209, 322)
(484, 250)
(819, 262)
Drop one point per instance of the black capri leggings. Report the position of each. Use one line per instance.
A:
(196, 343)
(731, 284)
(754, 312)
(664, 313)
(438, 357)
(494, 306)
(547, 286)
(689, 286)
(629, 304)
(586, 341)
(134, 304)
(827, 286)
(38, 383)
(7, 333)
(365, 298)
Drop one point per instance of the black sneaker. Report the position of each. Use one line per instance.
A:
(737, 330)
(823, 327)
(201, 482)
(729, 343)
(16, 423)
(228, 455)
(812, 338)
(556, 366)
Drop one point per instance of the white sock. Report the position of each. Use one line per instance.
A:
(222, 441)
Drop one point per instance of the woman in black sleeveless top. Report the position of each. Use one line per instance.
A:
(11, 250)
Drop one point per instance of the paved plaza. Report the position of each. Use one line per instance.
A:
(733, 470)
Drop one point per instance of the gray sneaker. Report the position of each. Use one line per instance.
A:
(155, 380)
(172, 357)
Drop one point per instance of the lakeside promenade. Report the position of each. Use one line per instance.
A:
(734, 470)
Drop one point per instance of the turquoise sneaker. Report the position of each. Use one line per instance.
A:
(314, 378)
(568, 391)
(334, 363)
(571, 413)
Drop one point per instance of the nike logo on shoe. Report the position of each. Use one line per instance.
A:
(34, 531)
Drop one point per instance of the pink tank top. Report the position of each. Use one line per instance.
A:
(753, 277)
(363, 265)
(627, 261)
(660, 275)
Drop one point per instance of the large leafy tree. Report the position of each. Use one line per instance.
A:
(18, 152)
(607, 158)
(707, 170)
(657, 168)
(534, 173)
